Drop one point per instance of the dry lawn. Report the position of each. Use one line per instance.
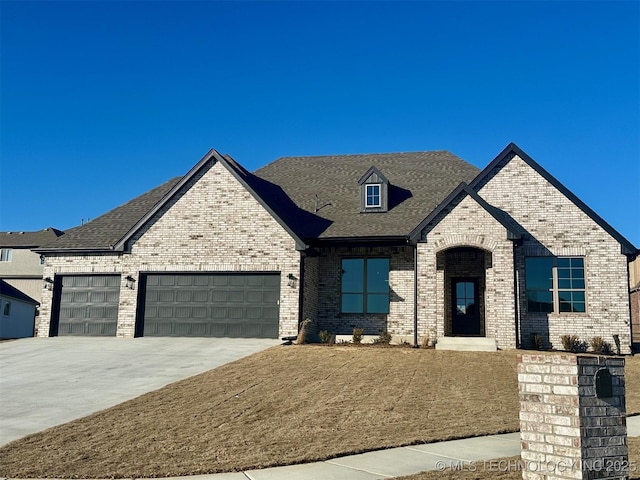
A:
(285, 405)
(506, 470)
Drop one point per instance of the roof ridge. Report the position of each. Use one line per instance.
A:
(372, 154)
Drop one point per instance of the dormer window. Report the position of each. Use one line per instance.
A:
(374, 191)
(373, 195)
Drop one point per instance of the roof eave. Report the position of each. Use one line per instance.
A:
(626, 247)
(45, 251)
(414, 236)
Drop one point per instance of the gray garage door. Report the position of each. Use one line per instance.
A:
(212, 305)
(89, 305)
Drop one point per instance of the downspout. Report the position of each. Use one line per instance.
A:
(301, 290)
(415, 295)
(516, 296)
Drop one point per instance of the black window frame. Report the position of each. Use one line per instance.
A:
(365, 292)
(568, 285)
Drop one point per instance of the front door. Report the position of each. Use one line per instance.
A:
(466, 307)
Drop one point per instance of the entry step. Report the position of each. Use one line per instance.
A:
(467, 344)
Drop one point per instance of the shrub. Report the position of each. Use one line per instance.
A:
(571, 343)
(424, 341)
(536, 341)
(616, 340)
(357, 335)
(326, 337)
(384, 338)
(598, 345)
(303, 331)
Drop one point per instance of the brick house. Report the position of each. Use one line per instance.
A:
(418, 244)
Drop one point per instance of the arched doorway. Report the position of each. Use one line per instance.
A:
(464, 290)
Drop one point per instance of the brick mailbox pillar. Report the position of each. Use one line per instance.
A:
(572, 417)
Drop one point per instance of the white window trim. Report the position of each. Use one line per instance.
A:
(366, 195)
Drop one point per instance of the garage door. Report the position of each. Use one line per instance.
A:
(89, 305)
(212, 305)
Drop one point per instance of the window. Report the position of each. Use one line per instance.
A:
(365, 285)
(5, 254)
(6, 308)
(373, 195)
(555, 284)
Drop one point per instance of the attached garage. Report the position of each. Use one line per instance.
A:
(210, 305)
(87, 305)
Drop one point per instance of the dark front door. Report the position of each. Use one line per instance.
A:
(465, 308)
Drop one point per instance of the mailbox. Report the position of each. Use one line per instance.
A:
(603, 383)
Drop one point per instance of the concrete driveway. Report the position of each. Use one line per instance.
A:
(49, 381)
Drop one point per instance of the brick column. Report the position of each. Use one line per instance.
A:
(569, 428)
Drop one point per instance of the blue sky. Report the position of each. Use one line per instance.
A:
(101, 101)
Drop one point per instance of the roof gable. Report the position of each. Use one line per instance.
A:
(112, 231)
(514, 232)
(373, 171)
(10, 291)
(510, 151)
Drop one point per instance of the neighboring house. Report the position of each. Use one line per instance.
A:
(17, 312)
(417, 244)
(634, 292)
(19, 265)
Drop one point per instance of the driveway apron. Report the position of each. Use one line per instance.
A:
(49, 381)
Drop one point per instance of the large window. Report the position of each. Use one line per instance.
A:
(365, 285)
(555, 284)
(5, 254)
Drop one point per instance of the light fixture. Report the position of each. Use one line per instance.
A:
(131, 282)
(292, 280)
(48, 283)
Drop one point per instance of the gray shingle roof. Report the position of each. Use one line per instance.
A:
(29, 239)
(106, 230)
(419, 181)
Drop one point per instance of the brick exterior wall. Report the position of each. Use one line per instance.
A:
(567, 432)
(399, 321)
(466, 224)
(556, 226)
(213, 225)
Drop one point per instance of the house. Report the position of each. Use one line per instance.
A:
(19, 265)
(17, 312)
(422, 245)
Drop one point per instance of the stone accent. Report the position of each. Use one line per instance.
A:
(567, 431)
(556, 226)
(213, 225)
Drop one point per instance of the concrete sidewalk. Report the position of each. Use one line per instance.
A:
(395, 462)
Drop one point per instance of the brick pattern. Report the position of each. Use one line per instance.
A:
(466, 224)
(566, 431)
(213, 225)
(555, 226)
(399, 321)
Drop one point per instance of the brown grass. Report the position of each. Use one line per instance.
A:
(287, 405)
(507, 470)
